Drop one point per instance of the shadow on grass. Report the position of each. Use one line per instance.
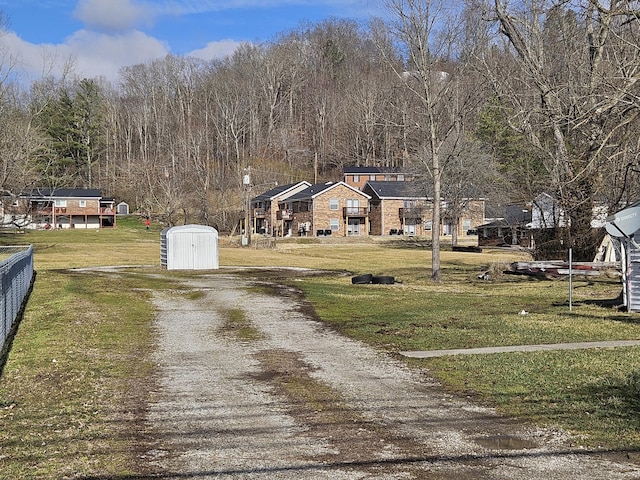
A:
(8, 343)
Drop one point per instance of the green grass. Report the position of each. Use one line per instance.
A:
(80, 371)
(236, 323)
(67, 387)
(592, 393)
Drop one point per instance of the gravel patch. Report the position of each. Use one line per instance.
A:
(296, 399)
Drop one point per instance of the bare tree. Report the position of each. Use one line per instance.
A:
(574, 95)
(428, 34)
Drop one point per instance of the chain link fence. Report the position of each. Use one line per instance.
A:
(16, 276)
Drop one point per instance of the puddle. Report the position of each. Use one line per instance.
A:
(505, 442)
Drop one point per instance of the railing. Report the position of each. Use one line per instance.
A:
(284, 214)
(16, 276)
(259, 212)
(354, 212)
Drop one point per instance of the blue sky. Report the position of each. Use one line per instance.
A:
(100, 36)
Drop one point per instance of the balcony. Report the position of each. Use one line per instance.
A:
(412, 212)
(259, 213)
(354, 212)
(74, 211)
(284, 214)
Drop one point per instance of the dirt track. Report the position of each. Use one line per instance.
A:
(251, 387)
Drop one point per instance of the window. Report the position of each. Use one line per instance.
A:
(334, 204)
(401, 177)
(61, 203)
(353, 207)
(334, 223)
(82, 203)
(372, 178)
(356, 178)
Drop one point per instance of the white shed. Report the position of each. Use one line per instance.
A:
(122, 208)
(189, 247)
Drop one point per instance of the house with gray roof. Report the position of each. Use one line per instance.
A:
(331, 208)
(64, 208)
(266, 216)
(398, 208)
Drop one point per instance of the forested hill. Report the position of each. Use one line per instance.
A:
(511, 102)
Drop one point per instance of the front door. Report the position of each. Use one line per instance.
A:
(353, 228)
(410, 227)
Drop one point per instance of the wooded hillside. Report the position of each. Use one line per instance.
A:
(498, 99)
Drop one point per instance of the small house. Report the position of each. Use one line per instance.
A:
(511, 228)
(65, 208)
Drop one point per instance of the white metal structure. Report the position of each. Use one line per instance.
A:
(625, 225)
(189, 247)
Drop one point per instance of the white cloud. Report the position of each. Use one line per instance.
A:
(113, 15)
(100, 54)
(91, 54)
(215, 50)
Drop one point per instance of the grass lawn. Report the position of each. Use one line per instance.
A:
(80, 367)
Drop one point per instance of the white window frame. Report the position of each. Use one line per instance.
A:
(353, 206)
(334, 204)
(334, 224)
(60, 203)
(82, 203)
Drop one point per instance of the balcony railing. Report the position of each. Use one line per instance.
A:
(354, 212)
(259, 212)
(411, 212)
(73, 211)
(284, 214)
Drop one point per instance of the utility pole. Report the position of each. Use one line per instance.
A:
(246, 182)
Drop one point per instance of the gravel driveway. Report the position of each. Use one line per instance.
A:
(252, 387)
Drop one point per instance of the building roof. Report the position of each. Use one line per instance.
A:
(382, 190)
(47, 193)
(277, 191)
(371, 170)
(362, 170)
(314, 190)
(500, 223)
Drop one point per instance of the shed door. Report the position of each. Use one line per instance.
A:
(201, 251)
